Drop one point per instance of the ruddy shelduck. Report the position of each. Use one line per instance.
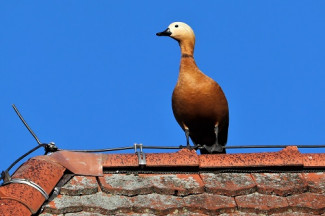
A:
(199, 104)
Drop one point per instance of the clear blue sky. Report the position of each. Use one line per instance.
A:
(93, 74)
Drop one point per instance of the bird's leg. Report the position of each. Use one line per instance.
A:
(187, 134)
(216, 131)
(216, 147)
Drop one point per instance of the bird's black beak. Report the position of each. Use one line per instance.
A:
(167, 32)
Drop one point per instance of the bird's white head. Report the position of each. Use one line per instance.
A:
(179, 31)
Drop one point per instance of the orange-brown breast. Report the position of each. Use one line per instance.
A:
(199, 103)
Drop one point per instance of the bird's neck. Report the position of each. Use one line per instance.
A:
(187, 47)
(188, 70)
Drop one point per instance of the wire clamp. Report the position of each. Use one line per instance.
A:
(51, 147)
(29, 183)
(141, 155)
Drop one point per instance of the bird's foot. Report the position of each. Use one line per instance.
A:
(213, 149)
(197, 146)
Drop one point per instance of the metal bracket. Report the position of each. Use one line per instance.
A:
(141, 155)
(51, 147)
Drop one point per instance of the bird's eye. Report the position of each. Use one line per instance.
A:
(176, 26)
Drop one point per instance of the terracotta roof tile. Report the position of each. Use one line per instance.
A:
(182, 183)
(44, 173)
(120, 160)
(261, 203)
(316, 182)
(210, 204)
(130, 185)
(157, 203)
(182, 158)
(99, 202)
(25, 194)
(314, 160)
(292, 214)
(308, 203)
(282, 184)
(230, 184)
(80, 185)
(13, 207)
(289, 156)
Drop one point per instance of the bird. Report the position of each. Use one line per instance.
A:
(199, 104)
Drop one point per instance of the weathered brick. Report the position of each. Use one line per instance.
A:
(13, 207)
(316, 182)
(130, 185)
(80, 185)
(261, 203)
(307, 202)
(282, 184)
(230, 184)
(210, 203)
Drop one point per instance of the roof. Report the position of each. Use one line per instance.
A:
(182, 183)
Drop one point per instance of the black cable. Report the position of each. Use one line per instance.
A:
(99, 150)
(273, 146)
(181, 147)
(24, 155)
(26, 125)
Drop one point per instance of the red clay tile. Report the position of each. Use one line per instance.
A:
(170, 194)
(25, 194)
(130, 185)
(261, 203)
(13, 208)
(80, 163)
(314, 160)
(44, 173)
(316, 182)
(120, 160)
(82, 213)
(308, 202)
(230, 184)
(97, 203)
(289, 156)
(182, 158)
(80, 185)
(290, 213)
(210, 203)
(282, 184)
(238, 213)
(157, 203)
